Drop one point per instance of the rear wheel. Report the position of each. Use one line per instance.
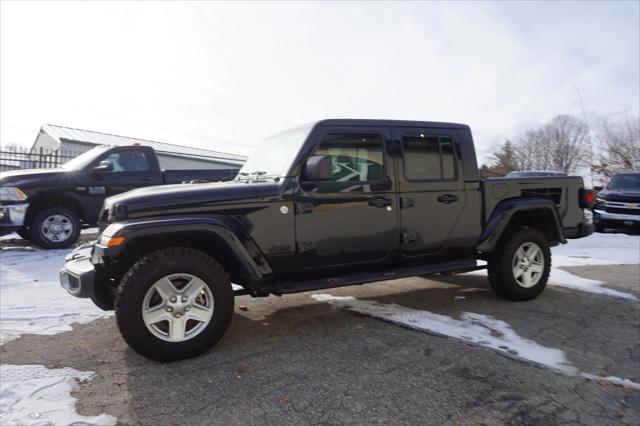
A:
(519, 268)
(55, 227)
(174, 303)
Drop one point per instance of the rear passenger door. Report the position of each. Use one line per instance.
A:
(432, 196)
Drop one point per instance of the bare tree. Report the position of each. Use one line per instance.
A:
(563, 144)
(619, 141)
(533, 150)
(568, 139)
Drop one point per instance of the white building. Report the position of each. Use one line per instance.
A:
(71, 142)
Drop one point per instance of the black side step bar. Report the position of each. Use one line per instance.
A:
(288, 287)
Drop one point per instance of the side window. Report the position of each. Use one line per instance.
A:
(427, 157)
(128, 161)
(356, 157)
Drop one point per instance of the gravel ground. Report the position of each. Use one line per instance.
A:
(295, 360)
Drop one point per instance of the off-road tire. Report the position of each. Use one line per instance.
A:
(500, 264)
(139, 279)
(35, 228)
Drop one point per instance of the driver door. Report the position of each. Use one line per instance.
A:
(350, 218)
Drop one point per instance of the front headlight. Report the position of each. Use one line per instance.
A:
(9, 193)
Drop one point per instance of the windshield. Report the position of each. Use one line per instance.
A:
(84, 159)
(275, 154)
(630, 181)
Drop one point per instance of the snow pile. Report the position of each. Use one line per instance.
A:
(475, 329)
(31, 299)
(35, 395)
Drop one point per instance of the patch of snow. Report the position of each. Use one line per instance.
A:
(566, 279)
(596, 249)
(14, 236)
(475, 329)
(599, 249)
(36, 395)
(31, 299)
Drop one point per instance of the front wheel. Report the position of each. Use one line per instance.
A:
(519, 268)
(54, 228)
(174, 303)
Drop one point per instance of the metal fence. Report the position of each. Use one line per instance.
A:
(17, 158)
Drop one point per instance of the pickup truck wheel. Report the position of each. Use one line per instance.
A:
(173, 304)
(519, 268)
(54, 228)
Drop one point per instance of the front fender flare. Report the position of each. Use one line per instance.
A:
(254, 263)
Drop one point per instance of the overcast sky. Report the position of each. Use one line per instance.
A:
(224, 76)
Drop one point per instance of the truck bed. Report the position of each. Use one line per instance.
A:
(564, 191)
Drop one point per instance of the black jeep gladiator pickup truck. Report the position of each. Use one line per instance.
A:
(49, 206)
(334, 203)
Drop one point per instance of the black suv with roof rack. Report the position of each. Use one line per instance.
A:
(330, 204)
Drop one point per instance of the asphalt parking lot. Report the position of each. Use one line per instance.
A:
(299, 360)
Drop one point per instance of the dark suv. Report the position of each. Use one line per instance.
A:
(329, 204)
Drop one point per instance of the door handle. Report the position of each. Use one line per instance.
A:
(147, 179)
(380, 202)
(447, 198)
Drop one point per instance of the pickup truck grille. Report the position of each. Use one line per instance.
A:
(620, 207)
(555, 194)
(623, 211)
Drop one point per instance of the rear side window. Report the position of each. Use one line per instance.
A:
(428, 157)
(356, 157)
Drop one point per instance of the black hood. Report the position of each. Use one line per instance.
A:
(622, 195)
(167, 198)
(30, 178)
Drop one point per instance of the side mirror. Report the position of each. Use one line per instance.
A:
(104, 166)
(318, 168)
(597, 187)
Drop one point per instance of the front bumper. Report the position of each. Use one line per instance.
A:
(78, 275)
(601, 217)
(12, 217)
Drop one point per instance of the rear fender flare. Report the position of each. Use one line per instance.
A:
(505, 212)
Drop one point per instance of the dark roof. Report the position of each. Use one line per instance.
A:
(61, 133)
(408, 123)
